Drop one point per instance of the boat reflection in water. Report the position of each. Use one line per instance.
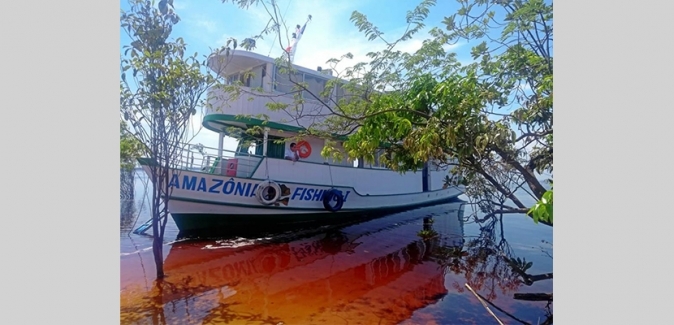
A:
(375, 272)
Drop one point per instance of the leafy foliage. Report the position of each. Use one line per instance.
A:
(542, 210)
(491, 119)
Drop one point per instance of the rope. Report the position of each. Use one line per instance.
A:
(272, 44)
(266, 167)
(279, 28)
(288, 6)
(332, 184)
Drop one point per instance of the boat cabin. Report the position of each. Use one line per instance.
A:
(261, 81)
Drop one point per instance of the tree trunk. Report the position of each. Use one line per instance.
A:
(157, 240)
(157, 249)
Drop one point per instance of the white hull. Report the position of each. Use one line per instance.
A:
(201, 201)
(185, 205)
(203, 193)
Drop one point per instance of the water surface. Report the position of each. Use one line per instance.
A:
(404, 268)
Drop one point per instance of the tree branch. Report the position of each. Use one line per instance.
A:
(499, 187)
(533, 183)
(541, 134)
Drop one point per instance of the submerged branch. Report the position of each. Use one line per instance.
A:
(503, 311)
(483, 304)
(524, 211)
(528, 278)
(497, 212)
(533, 296)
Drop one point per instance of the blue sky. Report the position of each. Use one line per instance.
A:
(207, 24)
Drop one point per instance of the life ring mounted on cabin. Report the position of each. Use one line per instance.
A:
(303, 149)
(333, 200)
(268, 192)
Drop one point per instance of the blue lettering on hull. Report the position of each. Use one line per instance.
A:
(243, 189)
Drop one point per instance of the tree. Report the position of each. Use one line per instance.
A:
(492, 117)
(160, 90)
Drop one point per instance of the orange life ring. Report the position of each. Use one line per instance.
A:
(303, 149)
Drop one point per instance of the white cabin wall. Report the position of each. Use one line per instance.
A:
(312, 111)
(364, 180)
(437, 176)
(437, 179)
(345, 161)
(240, 61)
(316, 147)
(316, 144)
(251, 105)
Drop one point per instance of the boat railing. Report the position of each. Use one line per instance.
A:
(200, 158)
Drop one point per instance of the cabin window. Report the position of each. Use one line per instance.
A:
(233, 78)
(245, 142)
(242, 147)
(282, 83)
(340, 93)
(251, 78)
(255, 78)
(316, 86)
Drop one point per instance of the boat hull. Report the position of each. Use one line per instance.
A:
(202, 202)
(237, 219)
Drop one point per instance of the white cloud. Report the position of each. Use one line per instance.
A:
(202, 28)
(208, 25)
(180, 5)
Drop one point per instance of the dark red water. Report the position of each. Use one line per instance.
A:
(374, 272)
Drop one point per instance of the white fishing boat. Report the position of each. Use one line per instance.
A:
(255, 185)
